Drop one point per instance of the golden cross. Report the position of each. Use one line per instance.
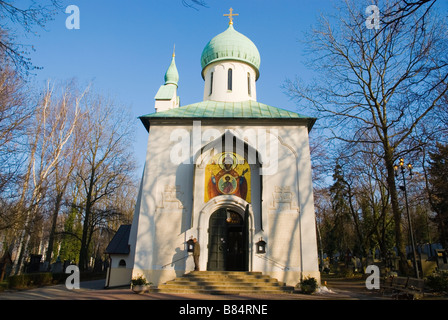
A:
(230, 15)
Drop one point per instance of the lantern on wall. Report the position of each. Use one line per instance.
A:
(190, 245)
(261, 246)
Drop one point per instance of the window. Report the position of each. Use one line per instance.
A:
(211, 83)
(229, 80)
(249, 91)
(122, 263)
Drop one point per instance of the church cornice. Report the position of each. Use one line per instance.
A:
(213, 111)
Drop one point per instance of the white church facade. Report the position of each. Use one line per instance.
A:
(230, 171)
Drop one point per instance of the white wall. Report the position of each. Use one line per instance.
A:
(239, 83)
(164, 105)
(167, 215)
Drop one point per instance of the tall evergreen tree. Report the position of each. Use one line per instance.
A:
(438, 189)
(341, 210)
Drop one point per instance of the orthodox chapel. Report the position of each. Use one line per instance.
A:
(229, 171)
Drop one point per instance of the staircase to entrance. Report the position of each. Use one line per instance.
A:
(224, 282)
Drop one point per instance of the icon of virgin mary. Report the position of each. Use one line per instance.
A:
(228, 181)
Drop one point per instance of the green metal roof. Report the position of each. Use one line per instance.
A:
(227, 110)
(172, 75)
(231, 45)
(165, 93)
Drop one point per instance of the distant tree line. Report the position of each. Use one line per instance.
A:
(67, 178)
(379, 95)
(67, 170)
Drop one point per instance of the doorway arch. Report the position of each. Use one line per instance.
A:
(201, 225)
(227, 241)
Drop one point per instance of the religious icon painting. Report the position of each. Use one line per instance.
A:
(227, 173)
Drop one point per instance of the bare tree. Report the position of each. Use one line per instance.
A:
(53, 126)
(376, 89)
(69, 119)
(368, 196)
(26, 17)
(107, 165)
(400, 10)
(194, 3)
(15, 112)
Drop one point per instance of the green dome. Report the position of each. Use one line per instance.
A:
(171, 75)
(231, 45)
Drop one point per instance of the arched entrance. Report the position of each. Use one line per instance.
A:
(227, 241)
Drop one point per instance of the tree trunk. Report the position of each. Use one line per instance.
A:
(399, 243)
(83, 253)
(54, 220)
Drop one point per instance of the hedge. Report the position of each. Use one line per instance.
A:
(32, 280)
(28, 280)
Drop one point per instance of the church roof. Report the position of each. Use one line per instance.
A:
(231, 45)
(165, 92)
(227, 110)
(120, 242)
(172, 75)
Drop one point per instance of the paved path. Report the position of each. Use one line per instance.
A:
(174, 306)
(94, 290)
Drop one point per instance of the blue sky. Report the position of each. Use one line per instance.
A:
(125, 47)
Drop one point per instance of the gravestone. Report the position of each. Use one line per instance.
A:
(5, 264)
(34, 264)
(442, 261)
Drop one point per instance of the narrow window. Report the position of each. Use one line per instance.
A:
(122, 263)
(249, 91)
(211, 83)
(229, 80)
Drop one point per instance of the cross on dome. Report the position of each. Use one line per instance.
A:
(231, 15)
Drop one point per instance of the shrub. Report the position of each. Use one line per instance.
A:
(18, 282)
(139, 281)
(41, 279)
(26, 280)
(438, 282)
(30, 280)
(308, 285)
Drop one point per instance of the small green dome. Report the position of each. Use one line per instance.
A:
(231, 45)
(171, 75)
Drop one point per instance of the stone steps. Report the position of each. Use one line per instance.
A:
(224, 282)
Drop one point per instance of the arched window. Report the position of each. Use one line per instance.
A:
(229, 80)
(122, 263)
(211, 83)
(249, 89)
